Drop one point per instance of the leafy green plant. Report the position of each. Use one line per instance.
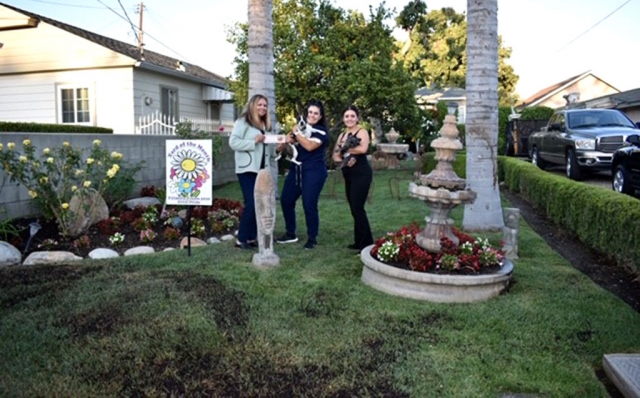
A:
(197, 227)
(57, 175)
(7, 229)
(116, 239)
(121, 186)
(185, 130)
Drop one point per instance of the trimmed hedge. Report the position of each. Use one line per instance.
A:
(23, 127)
(603, 219)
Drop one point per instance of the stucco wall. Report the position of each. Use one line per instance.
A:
(15, 202)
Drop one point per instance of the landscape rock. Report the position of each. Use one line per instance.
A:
(53, 257)
(195, 242)
(9, 255)
(144, 201)
(85, 211)
(139, 250)
(227, 238)
(102, 253)
(213, 240)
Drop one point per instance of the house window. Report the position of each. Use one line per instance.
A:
(214, 110)
(169, 102)
(74, 105)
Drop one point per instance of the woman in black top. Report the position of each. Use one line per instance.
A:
(357, 175)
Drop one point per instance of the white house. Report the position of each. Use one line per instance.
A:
(52, 72)
(428, 98)
(582, 87)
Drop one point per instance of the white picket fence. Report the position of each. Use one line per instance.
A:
(160, 124)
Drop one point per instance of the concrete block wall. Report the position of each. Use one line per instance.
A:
(15, 202)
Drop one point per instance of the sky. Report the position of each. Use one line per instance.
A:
(551, 40)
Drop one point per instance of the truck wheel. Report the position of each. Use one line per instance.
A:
(620, 182)
(573, 170)
(536, 160)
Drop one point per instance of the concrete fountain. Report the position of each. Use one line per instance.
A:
(441, 190)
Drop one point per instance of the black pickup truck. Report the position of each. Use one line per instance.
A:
(581, 139)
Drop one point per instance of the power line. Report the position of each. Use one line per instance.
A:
(135, 34)
(146, 33)
(113, 11)
(596, 24)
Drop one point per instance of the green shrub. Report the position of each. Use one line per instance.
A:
(24, 127)
(603, 219)
(121, 186)
(185, 130)
(54, 176)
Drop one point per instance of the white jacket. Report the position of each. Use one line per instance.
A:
(248, 153)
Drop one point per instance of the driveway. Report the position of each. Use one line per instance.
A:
(600, 179)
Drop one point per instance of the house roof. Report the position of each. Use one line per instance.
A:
(152, 60)
(553, 89)
(622, 100)
(454, 93)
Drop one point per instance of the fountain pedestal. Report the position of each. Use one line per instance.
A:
(391, 149)
(441, 190)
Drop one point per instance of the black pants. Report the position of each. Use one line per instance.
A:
(357, 181)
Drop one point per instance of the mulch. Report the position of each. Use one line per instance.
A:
(599, 267)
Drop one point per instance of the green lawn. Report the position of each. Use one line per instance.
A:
(212, 325)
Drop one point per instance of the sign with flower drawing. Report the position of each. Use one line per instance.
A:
(189, 171)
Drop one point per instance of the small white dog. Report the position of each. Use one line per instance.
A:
(306, 130)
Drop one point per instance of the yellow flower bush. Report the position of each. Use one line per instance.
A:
(56, 175)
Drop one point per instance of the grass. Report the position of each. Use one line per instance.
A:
(213, 325)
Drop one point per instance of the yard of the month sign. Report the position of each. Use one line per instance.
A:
(189, 172)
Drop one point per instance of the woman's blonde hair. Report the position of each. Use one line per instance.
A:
(251, 114)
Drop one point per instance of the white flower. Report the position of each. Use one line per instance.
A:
(388, 251)
(188, 164)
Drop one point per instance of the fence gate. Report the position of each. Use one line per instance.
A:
(156, 124)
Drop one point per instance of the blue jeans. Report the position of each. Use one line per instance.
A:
(248, 229)
(308, 183)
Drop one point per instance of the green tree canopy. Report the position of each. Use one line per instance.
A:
(340, 57)
(435, 52)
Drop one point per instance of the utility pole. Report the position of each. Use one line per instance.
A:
(140, 32)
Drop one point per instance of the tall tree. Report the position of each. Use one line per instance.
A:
(434, 51)
(260, 51)
(482, 117)
(337, 56)
(260, 54)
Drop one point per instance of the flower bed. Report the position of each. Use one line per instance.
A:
(127, 228)
(470, 256)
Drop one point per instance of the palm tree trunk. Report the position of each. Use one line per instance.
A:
(260, 53)
(482, 117)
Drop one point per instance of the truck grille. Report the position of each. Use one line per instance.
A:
(609, 144)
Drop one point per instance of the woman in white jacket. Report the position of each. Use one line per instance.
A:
(251, 154)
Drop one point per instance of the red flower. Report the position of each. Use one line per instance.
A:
(466, 256)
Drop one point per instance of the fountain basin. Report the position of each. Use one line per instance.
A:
(441, 195)
(433, 287)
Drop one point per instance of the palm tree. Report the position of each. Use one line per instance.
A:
(260, 53)
(482, 116)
